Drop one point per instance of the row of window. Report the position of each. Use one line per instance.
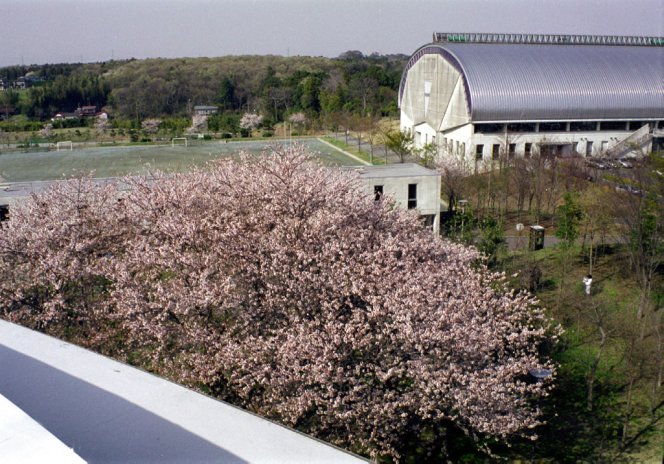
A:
(576, 126)
(548, 149)
(496, 149)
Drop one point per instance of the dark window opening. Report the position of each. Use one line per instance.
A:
(552, 127)
(589, 148)
(495, 152)
(412, 196)
(528, 150)
(489, 128)
(636, 125)
(4, 212)
(551, 150)
(583, 126)
(479, 151)
(428, 220)
(521, 127)
(512, 150)
(378, 192)
(613, 126)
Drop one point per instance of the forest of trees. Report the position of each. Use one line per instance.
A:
(323, 89)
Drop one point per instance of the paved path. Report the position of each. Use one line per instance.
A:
(359, 160)
(365, 146)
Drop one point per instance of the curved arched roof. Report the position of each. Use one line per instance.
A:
(511, 82)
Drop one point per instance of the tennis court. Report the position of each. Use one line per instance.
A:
(113, 161)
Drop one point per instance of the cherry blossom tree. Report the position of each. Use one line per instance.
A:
(46, 131)
(297, 118)
(101, 123)
(280, 285)
(250, 121)
(199, 123)
(151, 125)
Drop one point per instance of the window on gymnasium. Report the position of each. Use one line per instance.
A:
(479, 151)
(495, 153)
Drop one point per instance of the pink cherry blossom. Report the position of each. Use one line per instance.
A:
(282, 286)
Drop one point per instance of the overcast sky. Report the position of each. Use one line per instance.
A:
(53, 31)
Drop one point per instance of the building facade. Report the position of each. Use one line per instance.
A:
(480, 97)
(410, 185)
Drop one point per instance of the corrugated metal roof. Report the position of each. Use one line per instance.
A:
(507, 82)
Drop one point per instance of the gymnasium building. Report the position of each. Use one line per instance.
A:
(480, 97)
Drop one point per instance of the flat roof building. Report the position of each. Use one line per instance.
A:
(478, 97)
(410, 185)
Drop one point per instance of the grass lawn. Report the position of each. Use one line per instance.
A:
(614, 301)
(113, 161)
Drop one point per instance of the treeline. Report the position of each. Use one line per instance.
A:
(272, 86)
(44, 71)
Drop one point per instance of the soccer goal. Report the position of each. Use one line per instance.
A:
(64, 145)
(178, 140)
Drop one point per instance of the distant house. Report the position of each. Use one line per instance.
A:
(412, 187)
(86, 111)
(26, 82)
(3, 85)
(205, 110)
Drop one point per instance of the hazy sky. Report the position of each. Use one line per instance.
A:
(52, 31)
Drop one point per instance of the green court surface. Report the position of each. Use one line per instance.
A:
(113, 161)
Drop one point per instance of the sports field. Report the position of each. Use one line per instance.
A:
(116, 161)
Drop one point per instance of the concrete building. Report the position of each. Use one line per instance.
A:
(478, 97)
(410, 185)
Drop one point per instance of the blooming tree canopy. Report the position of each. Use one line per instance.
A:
(251, 121)
(151, 126)
(199, 123)
(46, 131)
(297, 118)
(282, 286)
(101, 123)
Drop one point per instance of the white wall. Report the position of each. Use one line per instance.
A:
(396, 187)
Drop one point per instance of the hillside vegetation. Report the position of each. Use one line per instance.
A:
(274, 86)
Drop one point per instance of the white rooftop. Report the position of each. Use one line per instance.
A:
(393, 170)
(23, 440)
(107, 411)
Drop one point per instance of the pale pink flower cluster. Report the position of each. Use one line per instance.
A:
(150, 126)
(199, 124)
(46, 131)
(251, 121)
(297, 118)
(279, 284)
